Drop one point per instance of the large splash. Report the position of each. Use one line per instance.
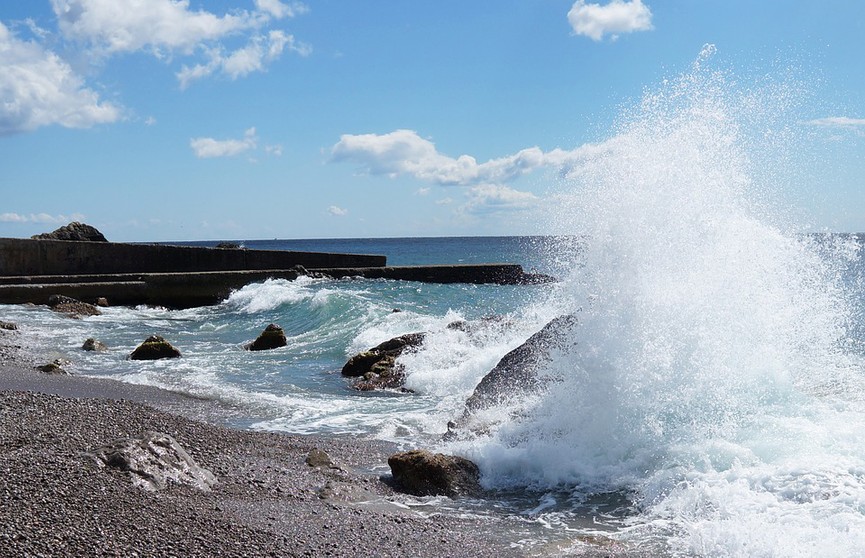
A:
(711, 377)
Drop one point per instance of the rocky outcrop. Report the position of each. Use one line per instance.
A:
(73, 231)
(378, 368)
(71, 306)
(424, 473)
(515, 375)
(153, 348)
(153, 462)
(92, 344)
(272, 337)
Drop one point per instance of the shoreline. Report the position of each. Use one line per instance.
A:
(56, 501)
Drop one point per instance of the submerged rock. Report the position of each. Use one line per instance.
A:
(73, 307)
(515, 375)
(9, 326)
(424, 473)
(153, 348)
(154, 461)
(377, 368)
(73, 231)
(271, 338)
(92, 344)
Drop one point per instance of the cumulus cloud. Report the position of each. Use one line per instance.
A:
(206, 148)
(337, 211)
(260, 51)
(618, 16)
(170, 27)
(405, 152)
(39, 218)
(37, 88)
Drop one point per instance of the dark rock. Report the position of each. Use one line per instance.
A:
(271, 338)
(9, 326)
(73, 231)
(515, 375)
(153, 462)
(378, 368)
(229, 246)
(55, 367)
(92, 344)
(71, 306)
(102, 302)
(424, 473)
(153, 348)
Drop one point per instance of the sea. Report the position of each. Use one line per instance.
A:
(709, 400)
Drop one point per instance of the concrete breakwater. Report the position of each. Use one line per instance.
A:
(185, 276)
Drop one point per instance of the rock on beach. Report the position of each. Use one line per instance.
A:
(153, 348)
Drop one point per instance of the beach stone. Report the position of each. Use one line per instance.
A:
(153, 348)
(515, 375)
(9, 326)
(55, 367)
(424, 473)
(73, 231)
(92, 344)
(272, 337)
(153, 462)
(377, 368)
(318, 458)
(68, 305)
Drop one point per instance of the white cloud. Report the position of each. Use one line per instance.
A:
(261, 50)
(404, 152)
(275, 150)
(492, 198)
(619, 16)
(40, 218)
(840, 122)
(336, 210)
(37, 89)
(169, 27)
(208, 147)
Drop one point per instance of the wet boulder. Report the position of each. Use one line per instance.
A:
(94, 345)
(153, 348)
(272, 337)
(73, 231)
(515, 376)
(73, 307)
(154, 462)
(9, 326)
(378, 368)
(424, 473)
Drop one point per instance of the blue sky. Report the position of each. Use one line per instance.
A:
(245, 119)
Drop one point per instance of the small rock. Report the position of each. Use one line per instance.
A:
(92, 344)
(55, 368)
(102, 302)
(74, 307)
(377, 368)
(8, 326)
(154, 347)
(424, 473)
(318, 458)
(271, 338)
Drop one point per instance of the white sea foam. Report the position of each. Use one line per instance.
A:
(712, 378)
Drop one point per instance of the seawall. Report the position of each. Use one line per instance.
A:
(186, 276)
